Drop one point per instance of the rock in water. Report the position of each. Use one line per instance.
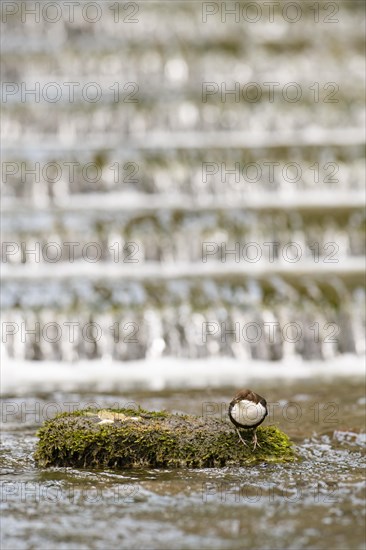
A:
(126, 438)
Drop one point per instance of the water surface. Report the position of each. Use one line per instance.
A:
(318, 502)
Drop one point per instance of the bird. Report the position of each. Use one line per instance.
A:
(247, 410)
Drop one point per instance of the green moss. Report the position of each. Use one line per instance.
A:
(127, 438)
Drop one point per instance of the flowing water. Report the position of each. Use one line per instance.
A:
(185, 234)
(169, 204)
(317, 502)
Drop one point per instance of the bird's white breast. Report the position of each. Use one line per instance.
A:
(248, 413)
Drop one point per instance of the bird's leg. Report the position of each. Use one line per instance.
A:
(240, 437)
(255, 440)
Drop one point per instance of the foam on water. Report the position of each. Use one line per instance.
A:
(23, 377)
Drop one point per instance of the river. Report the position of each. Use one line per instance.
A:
(316, 502)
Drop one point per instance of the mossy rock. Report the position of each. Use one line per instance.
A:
(126, 438)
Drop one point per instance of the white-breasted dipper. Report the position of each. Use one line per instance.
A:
(247, 411)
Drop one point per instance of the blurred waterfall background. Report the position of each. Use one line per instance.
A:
(182, 192)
